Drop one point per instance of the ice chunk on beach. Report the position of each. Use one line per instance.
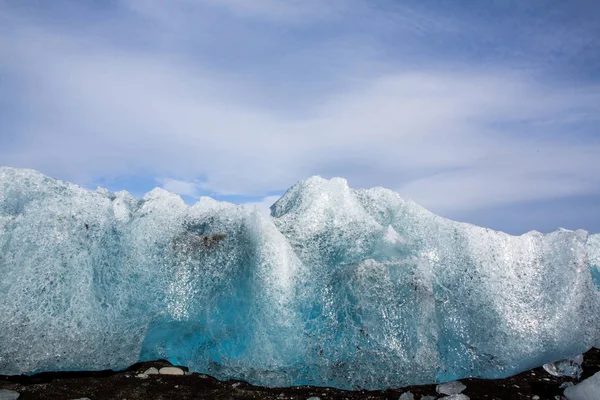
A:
(453, 387)
(571, 367)
(6, 394)
(589, 389)
(406, 396)
(340, 287)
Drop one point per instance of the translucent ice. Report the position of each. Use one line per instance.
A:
(570, 367)
(453, 387)
(341, 287)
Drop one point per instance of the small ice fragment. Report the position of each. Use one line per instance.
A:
(406, 396)
(170, 371)
(570, 367)
(151, 371)
(456, 397)
(453, 387)
(565, 385)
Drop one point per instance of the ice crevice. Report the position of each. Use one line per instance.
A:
(339, 287)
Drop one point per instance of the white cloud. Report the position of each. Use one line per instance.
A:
(111, 111)
(95, 109)
(183, 188)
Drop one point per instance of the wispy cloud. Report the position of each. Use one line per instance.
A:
(184, 188)
(278, 91)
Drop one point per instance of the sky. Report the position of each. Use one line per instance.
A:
(486, 112)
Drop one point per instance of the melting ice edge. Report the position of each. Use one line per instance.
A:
(339, 287)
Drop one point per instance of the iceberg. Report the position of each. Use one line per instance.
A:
(338, 287)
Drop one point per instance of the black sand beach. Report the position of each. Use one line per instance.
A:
(125, 385)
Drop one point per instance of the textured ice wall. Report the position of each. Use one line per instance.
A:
(425, 298)
(342, 287)
(594, 257)
(93, 280)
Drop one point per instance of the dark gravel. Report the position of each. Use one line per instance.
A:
(124, 385)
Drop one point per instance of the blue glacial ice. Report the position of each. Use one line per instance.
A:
(339, 287)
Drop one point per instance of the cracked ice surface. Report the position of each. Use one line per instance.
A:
(341, 287)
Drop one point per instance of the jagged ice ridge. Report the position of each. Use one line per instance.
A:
(339, 287)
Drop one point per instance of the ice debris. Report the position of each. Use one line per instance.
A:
(6, 394)
(455, 397)
(453, 387)
(407, 396)
(565, 385)
(339, 287)
(571, 367)
(171, 371)
(589, 389)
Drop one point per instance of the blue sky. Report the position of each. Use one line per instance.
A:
(486, 112)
